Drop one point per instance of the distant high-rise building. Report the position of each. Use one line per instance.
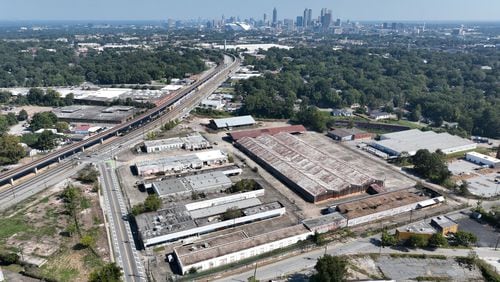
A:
(307, 18)
(275, 16)
(265, 18)
(326, 18)
(299, 22)
(338, 23)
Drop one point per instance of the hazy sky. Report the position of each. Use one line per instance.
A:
(416, 10)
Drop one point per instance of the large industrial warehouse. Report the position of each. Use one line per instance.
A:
(311, 173)
(411, 141)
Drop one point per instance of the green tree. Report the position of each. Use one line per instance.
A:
(318, 238)
(43, 120)
(312, 117)
(388, 239)
(231, 213)
(8, 258)
(23, 115)
(5, 97)
(431, 165)
(11, 119)
(108, 273)
(62, 126)
(10, 149)
(89, 174)
(416, 114)
(438, 240)
(152, 203)
(4, 124)
(463, 238)
(417, 241)
(330, 269)
(88, 241)
(46, 141)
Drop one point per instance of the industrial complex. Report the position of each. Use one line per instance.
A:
(311, 173)
(182, 221)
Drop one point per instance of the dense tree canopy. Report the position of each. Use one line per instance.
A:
(438, 86)
(34, 64)
(43, 120)
(431, 166)
(10, 150)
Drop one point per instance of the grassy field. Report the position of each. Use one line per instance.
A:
(12, 225)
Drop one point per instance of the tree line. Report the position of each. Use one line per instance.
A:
(35, 64)
(438, 86)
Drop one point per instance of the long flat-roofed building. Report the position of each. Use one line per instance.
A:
(236, 246)
(231, 122)
(311, 173)
(176, 164)
(191, 142)
(183, 221)
(197, 183)
(95, 114)
(412, 140)
(384, 205)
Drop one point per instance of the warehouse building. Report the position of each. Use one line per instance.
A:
(95, 114)
(183, 163)
(204, 182)
(481, 159)
(310, 172)
(191, 142)
(385, 205)
(412, 140)
(325, 223)
(229, 248)
(178, 222)
(292, 129)
(349, 134)
(229, 123)
(439, 224)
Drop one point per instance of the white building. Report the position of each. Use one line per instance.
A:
(232, 122)
(191, 142)
(236, 246)
(481, 159)
(212, 104)
(177, 164)
(376, 115)
(412, 140)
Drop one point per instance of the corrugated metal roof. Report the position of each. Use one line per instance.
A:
(234, 121)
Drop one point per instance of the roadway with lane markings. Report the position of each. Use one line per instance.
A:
(124, 249)
(123, 244)
(59, 173)
(172, 100)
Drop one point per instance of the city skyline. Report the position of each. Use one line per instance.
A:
(359, 10)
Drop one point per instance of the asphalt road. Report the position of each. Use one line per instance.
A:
(38, 183)
(124, 249)
(306, 261)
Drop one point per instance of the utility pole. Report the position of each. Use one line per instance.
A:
(255, 272)
(498, 240)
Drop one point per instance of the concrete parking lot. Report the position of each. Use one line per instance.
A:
(405, 269)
